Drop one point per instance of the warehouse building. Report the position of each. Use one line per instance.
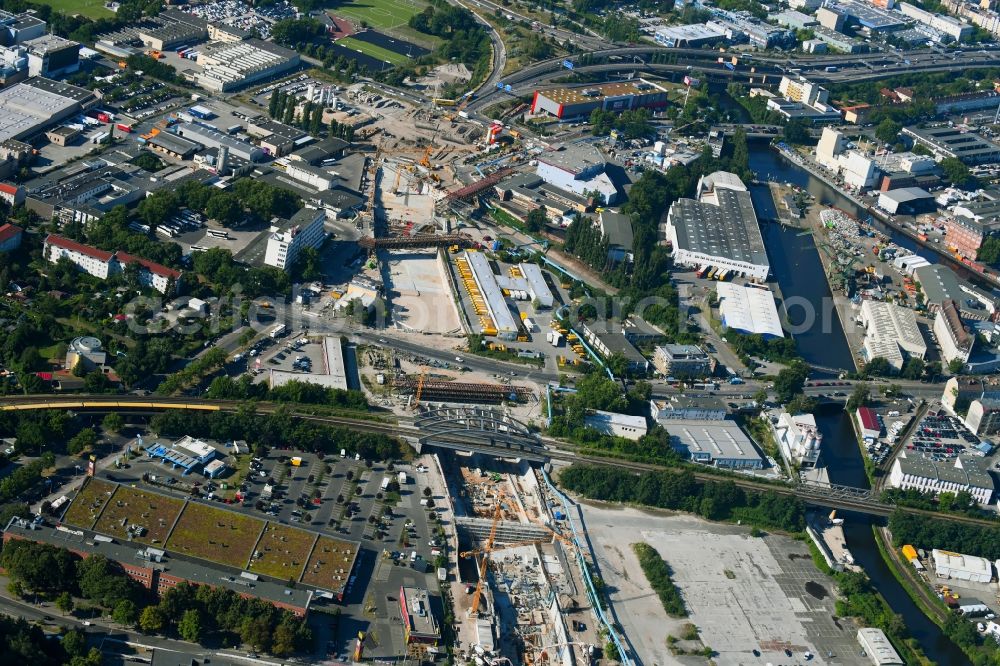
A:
(952, 27)
(929, 476)
(794, 20)
(945, 141)
(868, 422)
(175, 146)
(30, 107)
(233, 65)
(616, 425)
(891, 333)
(682, 361)
(19, 28)
(939, 284)
(691, 36)
(717, 443)
(907, 201)
(566, 103)
(171, 28)
(310, 175)
(578, 169)
(211, 138)
(878, 648)
(617, 231)
(749, 310)
(720, 229)
(838, 40)
(538, 289)
(962, 567)
(496, 305)
(287, 239)
(607, 339)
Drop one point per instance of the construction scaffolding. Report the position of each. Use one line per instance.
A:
(448, 391)
(415, 242)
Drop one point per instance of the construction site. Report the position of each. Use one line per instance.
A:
(519, 595)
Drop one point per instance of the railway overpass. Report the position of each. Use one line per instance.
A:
(478, 430)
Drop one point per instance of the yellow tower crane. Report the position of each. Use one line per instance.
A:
(486, 550)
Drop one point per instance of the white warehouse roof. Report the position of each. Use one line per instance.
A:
(490, 290)
(749, 310)
(536, 284)
(962, 567)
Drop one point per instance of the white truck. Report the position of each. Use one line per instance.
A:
(279, 331)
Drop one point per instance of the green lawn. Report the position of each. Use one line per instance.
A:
(90, 8)
(374, 51)
(375, 13)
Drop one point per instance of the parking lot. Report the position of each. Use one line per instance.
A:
(292, 354)
(941, 437)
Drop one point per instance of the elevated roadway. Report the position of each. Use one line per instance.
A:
(531, 447)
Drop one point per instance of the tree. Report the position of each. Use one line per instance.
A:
(888, 130)
(427, 491)
(859, 396)
(536, 220)
(64, 602)
(954, 170)
(152, 620)
(81, 441)
(75, 643)
(113, 422)
(190, 626)
(790, 381)
(879, 367)
(955, 366)
(796, 131)
(913, 369)
(125, 613)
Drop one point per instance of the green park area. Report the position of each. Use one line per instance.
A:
(378, 13)
(374, 51)
(94, 9)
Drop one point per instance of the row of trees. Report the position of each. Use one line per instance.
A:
(658, 574)
(277, 429)
(630, 124)
(928, 533)
(303, 393)
(714, 500)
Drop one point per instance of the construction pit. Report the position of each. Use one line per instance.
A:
(532, 607)
(416, 285)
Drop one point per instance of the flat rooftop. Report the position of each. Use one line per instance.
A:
(26, 108)
(598, 92)
(715, 440)
(955, 142)
(727, 228)
(946, 472)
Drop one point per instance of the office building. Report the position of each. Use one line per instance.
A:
(983, 417)
(801, 98)
(969, 225)
(798, 438)
(720, 229)
(891, 332)
(578, 169)
(717, 443)
(228, 66)
(277, 139)
(878, 648)
(945, 141)
(223, 32)
(608, 338)
(741, 27)
(52, 56)
(749, 310)
(19, 28)
(578, 102)
(953, 337)
(419, 623)
(965, 102)
(929, 476)
(304, 230)
(962, 567)
(957, 30)
(10, 237)
(682, 361)
(687, 408)
(961, 390)
(11, 194)
(616, 425)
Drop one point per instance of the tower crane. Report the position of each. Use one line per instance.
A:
(486, 550)
(420, 387)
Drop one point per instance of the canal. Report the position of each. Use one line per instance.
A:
(796, 266)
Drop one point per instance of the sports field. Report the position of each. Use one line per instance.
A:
(376, 13)
(90, 8)
(374, 51)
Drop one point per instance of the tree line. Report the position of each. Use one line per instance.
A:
(714, 500)
(657, 572)
(278, 429)
(192, 612)
(303, 393)
(929, 533)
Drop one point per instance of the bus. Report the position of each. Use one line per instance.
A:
(218, 234)
(711, 274)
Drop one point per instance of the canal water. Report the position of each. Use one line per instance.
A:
(842, 458)
(796, 266)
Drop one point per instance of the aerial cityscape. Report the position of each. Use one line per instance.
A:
(565, 333)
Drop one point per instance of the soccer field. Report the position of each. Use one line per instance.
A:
(90, 8)
(374, 51)
(376, 13)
